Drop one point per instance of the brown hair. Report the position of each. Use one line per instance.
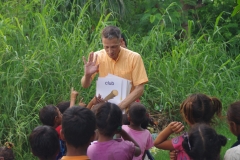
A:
(234, 112)
(200, 108)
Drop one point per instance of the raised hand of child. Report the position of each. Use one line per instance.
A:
(73, 97)
(81, 103)
(176, 127)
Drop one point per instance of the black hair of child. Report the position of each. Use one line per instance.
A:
(6, 152)
(109, 118)
(203, 142)
(44, 142)
(234, 112)
(63, 106)
(137, 113)
(124, 39)
(78, 126)
(47, 115)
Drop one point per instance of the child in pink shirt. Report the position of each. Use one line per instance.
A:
(109, 121)
(136, 115)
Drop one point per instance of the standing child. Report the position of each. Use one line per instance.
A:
(136, 116)
(109, 122)
(234, 123)
(51, 116)
(197, 108)
(78, 130)
(44, 142)
(202, 142)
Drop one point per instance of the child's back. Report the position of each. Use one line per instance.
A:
(109, 119)
(137, 115)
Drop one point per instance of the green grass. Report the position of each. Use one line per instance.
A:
(41, 49)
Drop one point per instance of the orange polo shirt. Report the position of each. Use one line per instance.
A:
(129, 65)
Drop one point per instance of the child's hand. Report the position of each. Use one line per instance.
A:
(97, 99)
(81, 103)
(74, 94)
(176, 127)
(173, 154)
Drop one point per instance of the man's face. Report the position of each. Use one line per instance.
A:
(112, 47)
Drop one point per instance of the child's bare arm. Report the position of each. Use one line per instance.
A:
(126, 136)
(162, 141)
(73, 97)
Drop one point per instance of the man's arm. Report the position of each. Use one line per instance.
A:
(135, 94)
(86, 81)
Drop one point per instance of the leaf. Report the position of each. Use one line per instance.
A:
(238, 1)
(236, 10)
(152, 18)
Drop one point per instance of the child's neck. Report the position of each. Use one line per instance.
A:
(103, 138)
(72, 151)
(135, 127)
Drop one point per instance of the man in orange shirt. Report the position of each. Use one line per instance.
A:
(116, 60)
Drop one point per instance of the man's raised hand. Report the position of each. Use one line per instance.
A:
(90, 66)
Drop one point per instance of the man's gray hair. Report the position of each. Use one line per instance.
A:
(111, 32)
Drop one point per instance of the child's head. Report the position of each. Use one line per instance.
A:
(78, 126)
(109, 118)
(44, 142)
(6, 152)
(62, 106)
(202, 142)
(50, 115)
(199, 108)
(234, 118)
(137, 113)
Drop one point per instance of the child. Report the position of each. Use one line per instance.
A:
(197, 108)
(44, 142)
(6, 152)
(202, 142)
(234, 123)
(109, 121)
(78, 130)
(51, 116)
(136, 116)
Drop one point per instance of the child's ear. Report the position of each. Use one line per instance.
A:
(233, 127)
(62, 135)
(128, 117)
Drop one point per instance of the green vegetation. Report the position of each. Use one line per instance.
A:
(42, 44)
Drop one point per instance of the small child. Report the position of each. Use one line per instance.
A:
(44, 142)
(197, 108)
(6, 152)
(109, 121)
(234, 123)
(78, 130)
(51, 116)
(136, 116)
(202, 142)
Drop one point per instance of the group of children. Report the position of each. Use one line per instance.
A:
(99, 131)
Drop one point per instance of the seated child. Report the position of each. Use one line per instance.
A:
(109, 121)
(234, 123)
(136, 116)
(6, 152)
(202, 142)
(78, 130)
(51, 116)
(44, 142)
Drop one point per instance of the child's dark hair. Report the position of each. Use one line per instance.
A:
(202, 142)
(78, 126)
(234, 112)
(124, 39)
(199, 108)
(6, 151)
(109, 118)
(137, 113)
(62, 106)
(44, 142)
(47, 115)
